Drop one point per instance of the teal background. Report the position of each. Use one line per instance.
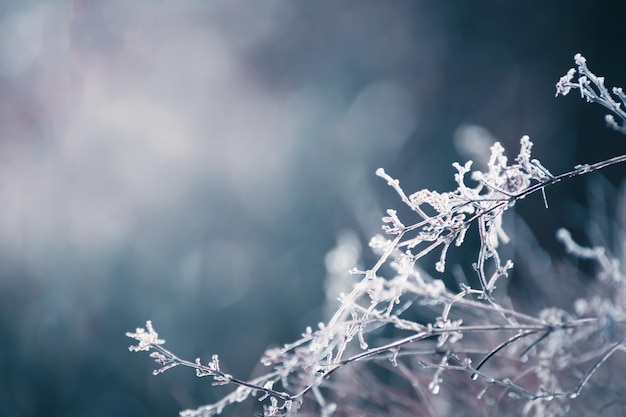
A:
(193, 162)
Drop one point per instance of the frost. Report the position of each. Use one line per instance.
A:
(146, 337)
(564, 85)
(434, 388)
(593, 90)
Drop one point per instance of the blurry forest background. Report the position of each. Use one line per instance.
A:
(192, 162)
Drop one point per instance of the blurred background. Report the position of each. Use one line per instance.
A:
(193, 162)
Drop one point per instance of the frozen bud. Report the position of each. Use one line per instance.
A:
(564, 85)
(579, 59)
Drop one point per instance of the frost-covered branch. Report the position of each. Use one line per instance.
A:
(593, 90)
(411, 325)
